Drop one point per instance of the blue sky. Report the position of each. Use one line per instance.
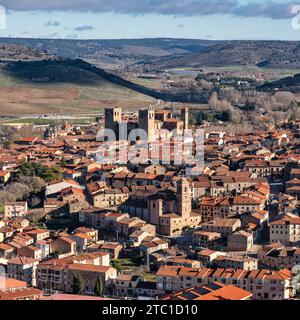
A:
(104, 19)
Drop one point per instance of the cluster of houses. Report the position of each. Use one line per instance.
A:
(234, 227)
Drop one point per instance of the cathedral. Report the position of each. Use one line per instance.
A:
(150, 120)
(170, 210)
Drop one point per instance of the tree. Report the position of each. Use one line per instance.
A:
(78, 285)
(63, 161)
(35, 184)
(7, 197)
(99, 288)
(37, 169)
(7, 144)
(19, 190)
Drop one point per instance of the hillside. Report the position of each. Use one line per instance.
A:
(271, 54)
(79, 72)
(35, 82)
(15, 52)
(290, 83)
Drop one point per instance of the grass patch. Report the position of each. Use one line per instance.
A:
(122, 264)
(150, 277)
(45, 121)
(31, 121)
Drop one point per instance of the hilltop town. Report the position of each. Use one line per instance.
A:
(73, 227)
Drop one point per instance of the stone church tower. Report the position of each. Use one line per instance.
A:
(184, 199)
(147, 122)
(113, 118)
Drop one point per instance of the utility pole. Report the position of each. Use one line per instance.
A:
(147, 261)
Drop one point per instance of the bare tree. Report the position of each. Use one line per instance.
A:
(6, 197)
(19, 190)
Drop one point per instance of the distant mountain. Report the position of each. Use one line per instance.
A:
(272, 54)
(127, 51)
(166, 53)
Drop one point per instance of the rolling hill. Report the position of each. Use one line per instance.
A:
(36, 82)
(269, 54)
(79, 72)
(165, 53)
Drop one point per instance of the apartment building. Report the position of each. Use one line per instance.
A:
(213, 207)
(58, 275)
(51, 276)
(89, 274)
(4, 177)
(23, 268)
(278, 256)
(241, 204)
(21, 294)
(15, 209)
(97, 258)
(104, 198)
(285, 230)
(82, 241)
(205, 238)
(263, 284)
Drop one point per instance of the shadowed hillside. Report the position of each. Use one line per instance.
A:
(81, 72)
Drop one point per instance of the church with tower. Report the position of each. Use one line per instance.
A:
(150, 120)
(170, 210)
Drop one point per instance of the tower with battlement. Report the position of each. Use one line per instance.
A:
(113, 118)
(184, 199)
(147, 122)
